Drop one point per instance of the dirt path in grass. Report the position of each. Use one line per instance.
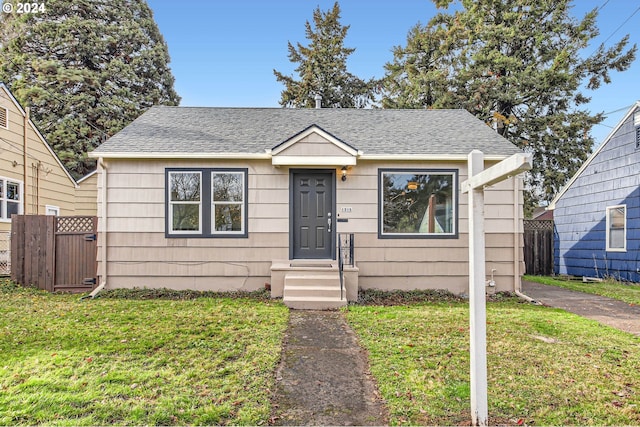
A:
(605, 310)
(323, 377)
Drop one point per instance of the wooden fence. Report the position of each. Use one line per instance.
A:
(54, 253)
(538, 247)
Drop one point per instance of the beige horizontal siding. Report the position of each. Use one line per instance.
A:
(46, 180)
(312, 146)
(139, 252)
(87, 196)
(151, 240)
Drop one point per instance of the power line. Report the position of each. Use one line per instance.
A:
(618, 110)
(605, 3)
(621, 25)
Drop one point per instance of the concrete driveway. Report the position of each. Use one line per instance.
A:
(605, 310)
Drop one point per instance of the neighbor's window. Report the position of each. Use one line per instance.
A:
(10, 198)
(52, 210)
(617, 228)
(207, 203)
(418, 203)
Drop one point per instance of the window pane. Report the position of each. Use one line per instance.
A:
(616, 227)
(12, 208)
(417, 203)
(186, 217)
(185, 186)
(228, 187)
(13, 191)
(228, 217)
(1, 189)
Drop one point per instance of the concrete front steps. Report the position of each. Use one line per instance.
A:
(313, 284)
(313, 289)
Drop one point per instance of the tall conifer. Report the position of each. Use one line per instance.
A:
(86, 69)
(322, 67)
(519, 65)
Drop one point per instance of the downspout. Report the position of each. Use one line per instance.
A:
(517, 280)
(103, 238)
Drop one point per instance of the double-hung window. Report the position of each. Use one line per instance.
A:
(185, 202)
(616, 228)
(10, 198)
(206, 202)
(418, 203)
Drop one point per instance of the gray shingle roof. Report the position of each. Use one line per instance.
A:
(253, 130)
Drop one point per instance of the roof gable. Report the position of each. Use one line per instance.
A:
(313, 146)
(608, 140)
(23, 113)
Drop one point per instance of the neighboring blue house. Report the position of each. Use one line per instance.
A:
(597, 214)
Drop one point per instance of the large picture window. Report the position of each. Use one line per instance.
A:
(617, 228)
(10, 198)
(206, 203)
(417, 203)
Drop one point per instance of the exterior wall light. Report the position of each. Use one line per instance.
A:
(344, 173)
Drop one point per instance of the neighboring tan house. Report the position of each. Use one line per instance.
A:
(32, 178)
(236, 198)
(597, 214)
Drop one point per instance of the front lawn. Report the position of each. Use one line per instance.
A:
(623, 291)
(122, 361)
(545, 366)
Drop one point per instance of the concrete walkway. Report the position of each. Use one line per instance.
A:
(323, 377)
(605, 310)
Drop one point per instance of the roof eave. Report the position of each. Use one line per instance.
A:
(268, 156)
(430, 157)
(171, 155)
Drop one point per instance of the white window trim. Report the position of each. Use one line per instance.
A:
(608, 248)
(55, 209)
(173, 203)
(3, 200)
(242, 231)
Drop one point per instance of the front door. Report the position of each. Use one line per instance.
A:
(312, 214)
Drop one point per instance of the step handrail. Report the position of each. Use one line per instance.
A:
(341, 257)
(340, 266)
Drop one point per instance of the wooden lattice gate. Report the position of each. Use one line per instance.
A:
(57, 254)
(538, 247)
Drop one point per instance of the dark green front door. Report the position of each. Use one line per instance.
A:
(312, 214)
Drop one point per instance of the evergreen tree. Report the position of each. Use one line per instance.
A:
(86, 68)
(323, 68)
(517, 65)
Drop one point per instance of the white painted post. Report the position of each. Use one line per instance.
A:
(477, 301)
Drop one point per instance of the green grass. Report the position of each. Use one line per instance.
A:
(545, 366)
(627, 292)
(161, 357)
(121, 361)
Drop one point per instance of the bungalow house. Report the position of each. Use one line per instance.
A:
(597, 214)
(32, 178)
(236, 198)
